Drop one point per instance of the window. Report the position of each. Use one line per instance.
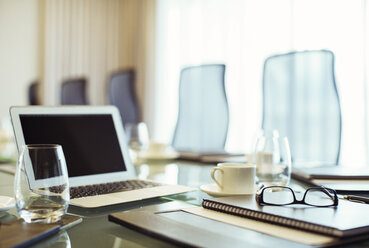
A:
(241, 34)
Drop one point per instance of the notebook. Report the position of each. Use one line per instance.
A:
(32, 233)
(338, 172)
(345, 220)
(95, 149)
(190, 226)
(213, 156)
(343, 179)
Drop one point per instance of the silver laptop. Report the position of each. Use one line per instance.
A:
(99, 167)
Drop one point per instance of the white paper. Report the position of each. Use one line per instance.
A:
(262, 227)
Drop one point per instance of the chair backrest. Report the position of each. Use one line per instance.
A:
(33, 91)
(73, 92)
(122, 94)
(301, 101)
(203, 114)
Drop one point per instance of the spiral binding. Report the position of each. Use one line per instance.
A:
(266, 217)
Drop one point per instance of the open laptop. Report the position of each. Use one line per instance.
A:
(92, 137)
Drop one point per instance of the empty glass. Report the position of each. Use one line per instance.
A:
(137, 136)
(272, 157)
(41, 183)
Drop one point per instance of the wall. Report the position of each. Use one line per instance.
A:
(18, 51)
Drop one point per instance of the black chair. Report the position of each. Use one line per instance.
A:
(203, 114)
(33, 94)
(122, 94)
(73, 92)
(301, 101)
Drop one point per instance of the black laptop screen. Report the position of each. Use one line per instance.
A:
(89, 142)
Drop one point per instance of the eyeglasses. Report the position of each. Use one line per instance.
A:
(280, 196)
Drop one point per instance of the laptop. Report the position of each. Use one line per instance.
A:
(92, 137)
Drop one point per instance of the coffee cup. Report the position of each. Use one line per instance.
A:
(235, 177)
(159, 148)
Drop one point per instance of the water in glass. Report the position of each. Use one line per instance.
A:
(41, 183)
(273, 159)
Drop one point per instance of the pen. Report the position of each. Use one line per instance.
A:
(357, 198)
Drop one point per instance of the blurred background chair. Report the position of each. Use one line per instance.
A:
(73, 92)
(203, 114)
(33, 94)
(122, 93)
(301, 101)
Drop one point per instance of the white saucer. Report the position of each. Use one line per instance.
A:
(213, 190)
(6, 203)
(159, 156)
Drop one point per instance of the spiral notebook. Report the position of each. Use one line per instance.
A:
(345, 220)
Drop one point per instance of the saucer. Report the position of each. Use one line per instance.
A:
(6, 203)
(213, 190)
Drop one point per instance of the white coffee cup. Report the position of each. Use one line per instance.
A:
(158, 148)
(235, 177)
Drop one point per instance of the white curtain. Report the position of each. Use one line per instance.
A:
(92, 39)
(241, 34)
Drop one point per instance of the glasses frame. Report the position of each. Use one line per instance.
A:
(260, 201)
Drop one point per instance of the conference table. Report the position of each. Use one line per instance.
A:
(97, 231)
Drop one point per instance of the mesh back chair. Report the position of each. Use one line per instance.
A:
(122, 94)
(301, 101)
(203, 114)
(73, 92)
(33, 97)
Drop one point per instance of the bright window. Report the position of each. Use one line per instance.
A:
(241, 34)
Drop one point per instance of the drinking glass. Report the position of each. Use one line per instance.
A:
(41, 185)
(272, 157)
(137, 136)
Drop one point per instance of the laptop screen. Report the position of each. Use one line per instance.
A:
(89, 141)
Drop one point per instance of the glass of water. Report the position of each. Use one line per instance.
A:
(41, 185)
(272, 157)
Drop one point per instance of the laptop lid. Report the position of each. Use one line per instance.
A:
(92, 138)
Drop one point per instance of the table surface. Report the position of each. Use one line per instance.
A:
(95, 229)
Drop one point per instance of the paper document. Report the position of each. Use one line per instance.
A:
(273, 230)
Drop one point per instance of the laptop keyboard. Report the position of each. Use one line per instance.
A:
(106, 188)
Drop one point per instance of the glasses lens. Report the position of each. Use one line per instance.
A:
(320, 197)
(278, 195)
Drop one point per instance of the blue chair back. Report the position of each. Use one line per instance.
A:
(301, 101)
(73, 92)
(122, 94)
(203, 115)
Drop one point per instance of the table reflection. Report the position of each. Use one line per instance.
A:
(165, 173)
(175, 172)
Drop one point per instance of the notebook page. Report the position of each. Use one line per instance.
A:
(262, 227)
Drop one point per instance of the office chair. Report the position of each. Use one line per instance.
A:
(33, 91)
(73, 92)
(203, 114)
(301, 101)
(123, 95)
